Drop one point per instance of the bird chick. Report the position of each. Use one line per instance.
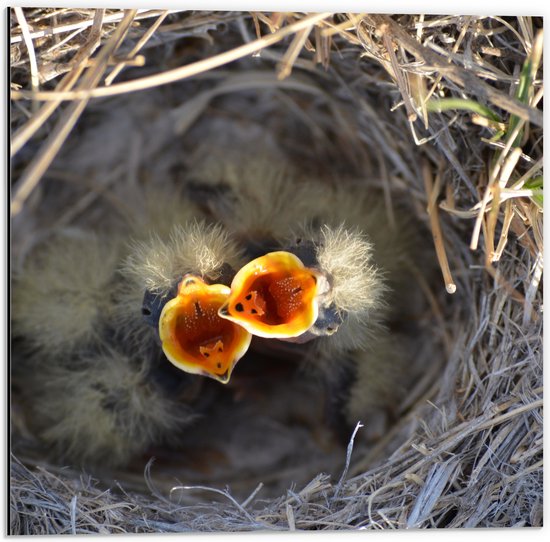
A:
(103, 409)
(194, 338)
(86, 308)
(270, 209)
(61, 296)
(328, 267)
(89, 397)
(176, 286)
(324, 284)
(257, 199)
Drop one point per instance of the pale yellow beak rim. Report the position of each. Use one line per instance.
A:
(193, 313)
(247, 306)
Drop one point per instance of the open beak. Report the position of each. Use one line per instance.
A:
(194, 338)
(274, 296)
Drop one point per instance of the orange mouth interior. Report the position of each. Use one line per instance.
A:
(273, 296)
(194, 338)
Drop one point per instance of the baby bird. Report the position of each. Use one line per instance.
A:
(55, 284)
(101, 406)
(333, 288)
(182, 283)
(91, 367)
(257, 198)
(84, 397)
(324, 256)
(327, 269)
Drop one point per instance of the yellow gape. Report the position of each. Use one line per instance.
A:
(274, 296)
(194, 338)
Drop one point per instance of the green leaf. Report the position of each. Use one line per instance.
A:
(526, 79)
(448, 104)
(536, 183)
(522, 94)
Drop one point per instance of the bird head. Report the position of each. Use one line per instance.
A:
(194, 337)
(275, 296)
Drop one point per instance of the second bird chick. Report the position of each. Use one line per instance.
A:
(324, 284)
(329, 269)
(270, 208)
(90, 369)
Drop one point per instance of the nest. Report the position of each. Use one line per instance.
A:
(441, 114)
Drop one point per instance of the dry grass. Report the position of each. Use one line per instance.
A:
(443, 111)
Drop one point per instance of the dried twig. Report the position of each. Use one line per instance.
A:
(34, 171)
(184, 72)
(21, 136)
(294, 49)
(30, 48)
(432, 191)
(137, 47)
(81, 25)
